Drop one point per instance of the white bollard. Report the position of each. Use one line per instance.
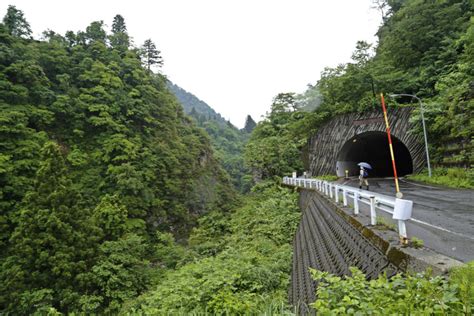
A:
(402, 229)
(373, 216)
(356, 203)
(402, 212)
(344, 197)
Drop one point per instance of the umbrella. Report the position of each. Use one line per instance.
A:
(364, 165)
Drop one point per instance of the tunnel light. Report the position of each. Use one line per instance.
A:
(354, 140)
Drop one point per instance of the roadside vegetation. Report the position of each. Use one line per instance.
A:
(450, 177)
(237, 263)
(417, 294)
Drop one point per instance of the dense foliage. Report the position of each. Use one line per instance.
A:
(274, 146)
(228, 142)
(425, 48)
(419, 294)
(241, 263)
(101, 172)
(96, 157)
(451, 177)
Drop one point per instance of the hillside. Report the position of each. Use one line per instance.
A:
(97, 159)
(426, 49)
(228, 141)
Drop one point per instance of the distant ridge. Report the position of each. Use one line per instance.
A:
(190, 101)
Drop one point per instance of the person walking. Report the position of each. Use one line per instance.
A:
(363, 175)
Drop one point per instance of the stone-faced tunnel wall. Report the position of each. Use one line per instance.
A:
(325, 146)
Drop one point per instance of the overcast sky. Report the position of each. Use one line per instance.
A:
(235, 55)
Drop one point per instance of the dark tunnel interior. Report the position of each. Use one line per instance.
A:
(372, 147)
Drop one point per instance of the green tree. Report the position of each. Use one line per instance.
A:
(119, 38)
(53, 243)
(16, 23)
(151, 56)
(249, 124)
(95, 32)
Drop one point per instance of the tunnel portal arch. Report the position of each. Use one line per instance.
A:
(372, 147)
(333, 143)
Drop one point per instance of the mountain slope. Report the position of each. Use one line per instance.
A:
(227, 141)
(97, 159)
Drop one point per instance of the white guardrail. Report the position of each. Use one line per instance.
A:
(400, 209)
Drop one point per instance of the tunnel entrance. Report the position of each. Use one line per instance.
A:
(372, 147)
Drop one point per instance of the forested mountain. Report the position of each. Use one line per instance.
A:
(101, 170)
(190, 102)
(228, 141)
(97, 159)
(425, 48)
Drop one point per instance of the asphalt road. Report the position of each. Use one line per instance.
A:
(442, 217)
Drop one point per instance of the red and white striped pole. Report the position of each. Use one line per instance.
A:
(399, 194)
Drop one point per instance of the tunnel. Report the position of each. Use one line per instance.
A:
(372, 147)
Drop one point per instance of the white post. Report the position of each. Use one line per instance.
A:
(356, 202)
(402, 229)
(330, 190)
(373, 218)
(402, 212)
(344, 197)
(336, 191)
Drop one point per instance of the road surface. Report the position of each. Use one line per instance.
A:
(442, 217)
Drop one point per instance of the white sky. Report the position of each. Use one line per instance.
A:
(235, 55)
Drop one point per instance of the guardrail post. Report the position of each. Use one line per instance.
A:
(330, 190)
(344, 197)
(336, 193)
(373, 216)
(356, 203)
(402, 230)
(402, 212)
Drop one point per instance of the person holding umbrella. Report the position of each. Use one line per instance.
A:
(364, 174)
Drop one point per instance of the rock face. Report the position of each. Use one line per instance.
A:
(350, 138)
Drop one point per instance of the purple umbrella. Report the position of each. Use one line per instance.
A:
(365, 165)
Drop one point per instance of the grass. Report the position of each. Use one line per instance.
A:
(328, 177)
(463, 277)
(450, 177)
(416, 242)
(383, 224)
